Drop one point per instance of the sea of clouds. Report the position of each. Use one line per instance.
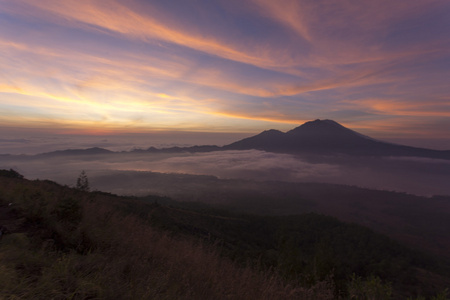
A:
(413, 175)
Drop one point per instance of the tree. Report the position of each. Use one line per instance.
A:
(83, 182)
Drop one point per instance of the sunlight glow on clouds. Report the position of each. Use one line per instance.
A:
(225, 65)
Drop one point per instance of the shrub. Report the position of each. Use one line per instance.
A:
(10, 174)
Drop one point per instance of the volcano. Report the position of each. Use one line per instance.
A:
(329, 137)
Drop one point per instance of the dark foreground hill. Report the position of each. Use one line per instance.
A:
(60, 243)
(420, 222)
(63, 243)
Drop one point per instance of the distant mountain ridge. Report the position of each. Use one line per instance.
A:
(324, 137)
(91, 151)
(329, 137)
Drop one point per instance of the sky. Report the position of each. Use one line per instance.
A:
(99, 68)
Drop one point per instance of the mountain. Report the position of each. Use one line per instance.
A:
(89, 151)
(324, 137)
(329, 137)
(204, 148)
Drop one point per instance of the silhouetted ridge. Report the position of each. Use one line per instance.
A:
(314, 137)
(193, 149)
(322, 127)
(328, 137)
(92, 151)
(267, 140)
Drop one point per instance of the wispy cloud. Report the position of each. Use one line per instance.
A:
(138, 21)
(217, 64)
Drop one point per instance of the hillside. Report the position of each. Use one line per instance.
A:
(65, 243)
(309, 247)
(60, 243)
(420, 222)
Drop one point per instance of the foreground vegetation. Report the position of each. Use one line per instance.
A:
(419, 222)
(63, 243)
(309, 248)
(68, 244)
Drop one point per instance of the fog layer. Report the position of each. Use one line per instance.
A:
(413, 175)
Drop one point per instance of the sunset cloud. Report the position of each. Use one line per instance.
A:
(132, 22)
(221, 65)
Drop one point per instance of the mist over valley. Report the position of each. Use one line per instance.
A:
(318, 151)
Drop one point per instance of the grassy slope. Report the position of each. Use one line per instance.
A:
(417, 221)
(75, 245)
(70, 244)
(307, 248)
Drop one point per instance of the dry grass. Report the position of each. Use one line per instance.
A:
(75, 245)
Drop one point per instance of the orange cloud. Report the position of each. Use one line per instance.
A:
(322, 23)
(328, 53)
(396, 107)
(329, 48)
(121, 72)
(265, 117)
(131, 22)
(293, 14)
